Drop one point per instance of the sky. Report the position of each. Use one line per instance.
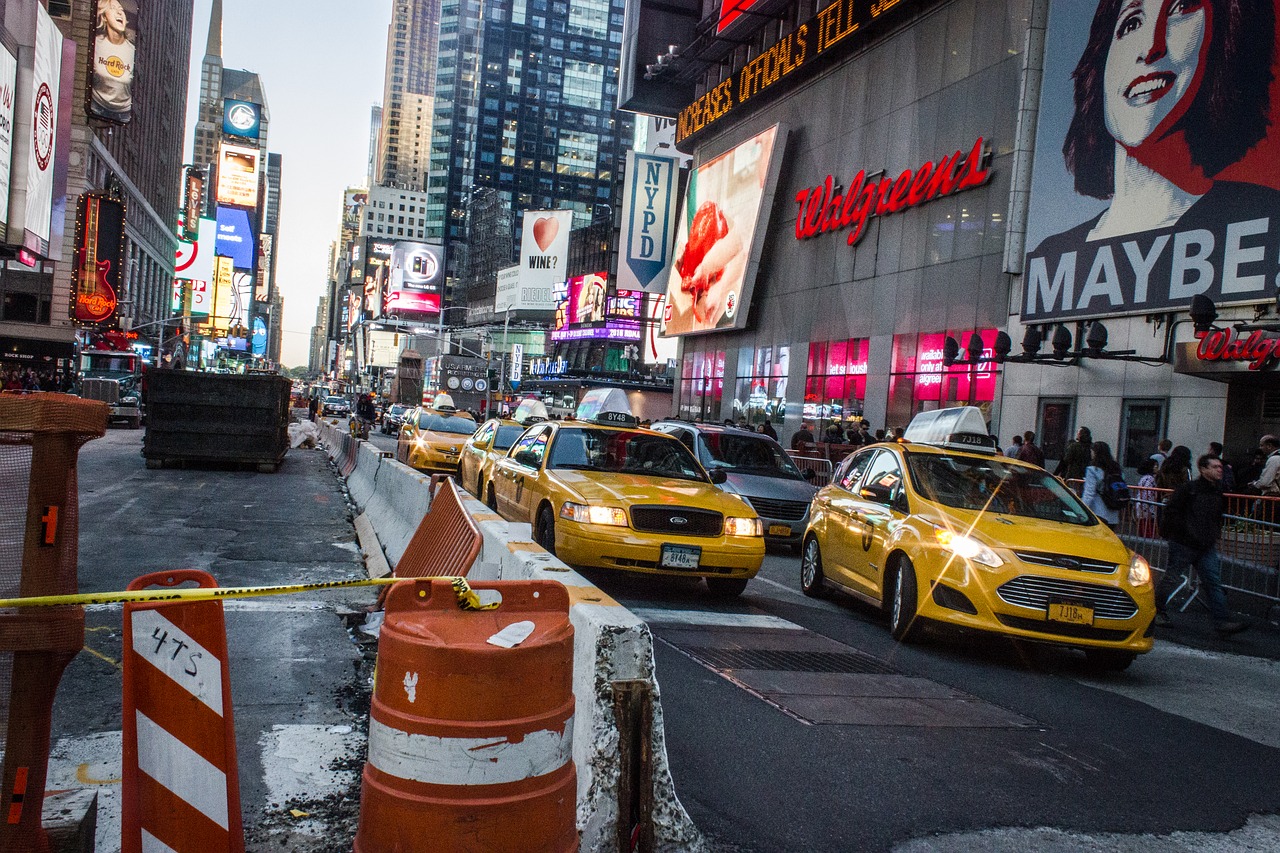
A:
(321, 64)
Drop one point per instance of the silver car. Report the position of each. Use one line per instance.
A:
(757, 469)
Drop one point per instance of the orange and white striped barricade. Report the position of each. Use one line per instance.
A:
(181, 788)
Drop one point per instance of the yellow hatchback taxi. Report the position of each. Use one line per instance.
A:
(605, 493)
(431, 438)
(942, 529)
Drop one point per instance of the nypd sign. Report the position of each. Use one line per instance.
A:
(648, 221)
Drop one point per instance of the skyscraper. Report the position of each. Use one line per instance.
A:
(408, 93)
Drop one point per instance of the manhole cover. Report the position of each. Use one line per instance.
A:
(782, 660)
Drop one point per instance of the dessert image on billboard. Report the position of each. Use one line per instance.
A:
(413, 282)
(717, 245)
(1154, 176)
(111, 68)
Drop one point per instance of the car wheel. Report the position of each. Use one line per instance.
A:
(902, 609)
(811, 577)
(726, 587)
(1108, 660)
(544, 531)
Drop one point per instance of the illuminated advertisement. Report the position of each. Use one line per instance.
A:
(223, 293)
(111, 64)
(585, 311)
(1154, 178)
(717, 249)
(614, 330)
(192, 201)
(40, 147)
(201, 304)
(241, 298)
(194, 259)
(100, 240)
(235, 237)
(415, 278)
(649, 210)
(923, 362)
(262, 284)
(8, 80)
(241, 118)
(238, 176)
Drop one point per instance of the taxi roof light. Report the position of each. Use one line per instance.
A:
(443, 403)
(606, 406)
(530, 411)
(960, 427)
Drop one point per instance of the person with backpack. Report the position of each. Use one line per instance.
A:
(1105, 491)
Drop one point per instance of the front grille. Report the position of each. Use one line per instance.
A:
(1059, 629)
(1034, 592)
(681, 520)
(786, 660)
(1065, 561)
(780, 510)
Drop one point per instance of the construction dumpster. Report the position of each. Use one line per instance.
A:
(216, 418)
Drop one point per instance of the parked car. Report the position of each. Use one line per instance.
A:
(393, 418)
(757, 470)
(337, 406)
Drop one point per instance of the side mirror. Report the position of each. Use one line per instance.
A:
(719, 477)
(878, 493)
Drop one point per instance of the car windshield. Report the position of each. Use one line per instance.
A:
(451, 424)
(747, 454)
(335, 401)
(397, 410)
(506, 437)
(988, 484)
(624, 452)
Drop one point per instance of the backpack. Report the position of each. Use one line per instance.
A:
(1114, 492)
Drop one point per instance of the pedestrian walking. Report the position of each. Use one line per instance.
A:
(767, 429)
(1076, 457)
(1228, 473)
(1146, 499)
(1268, 482)
(862, 437)
(1098, 475)
(1176, 469)
(313, 407)
(802, 436)
(1029, 451)
(1162, 451)
(1015, 448)
(1191, 523)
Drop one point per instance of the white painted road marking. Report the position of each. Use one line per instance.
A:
(181, 770)
(468, 761)
(705, 618)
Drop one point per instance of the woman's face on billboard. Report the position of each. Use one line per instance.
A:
(1154, 66)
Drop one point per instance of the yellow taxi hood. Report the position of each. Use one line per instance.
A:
(1021, 533)
(452, 438)
(604, 488)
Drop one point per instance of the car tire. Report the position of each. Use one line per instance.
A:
(812, 580)
(544, 530)
(726, 587)
(1108, 660)
(903, 623)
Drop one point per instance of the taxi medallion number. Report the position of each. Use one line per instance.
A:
(680, 557)
(779, 530)
(1070, 613)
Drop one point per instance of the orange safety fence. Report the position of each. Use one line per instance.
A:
(1249, 545)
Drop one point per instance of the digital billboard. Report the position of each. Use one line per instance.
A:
(194, 260)
(111, 65)
(235, 237)
(1154, 178)
(241, 118)
(414, 279)
(238, 175)
(717, 248)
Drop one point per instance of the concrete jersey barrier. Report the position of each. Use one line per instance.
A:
(610, 644)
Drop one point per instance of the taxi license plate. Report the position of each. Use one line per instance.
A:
(779, 530)
(680, 557)
(1070, 613)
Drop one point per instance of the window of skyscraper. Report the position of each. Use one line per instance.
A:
(582, 82)
(577, 154)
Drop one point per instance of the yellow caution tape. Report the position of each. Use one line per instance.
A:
(467, 598)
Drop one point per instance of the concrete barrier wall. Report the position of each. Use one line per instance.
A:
(610, 643)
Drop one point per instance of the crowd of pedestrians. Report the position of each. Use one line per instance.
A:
(32, 379)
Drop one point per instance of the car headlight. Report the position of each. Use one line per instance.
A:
(610, 515)
(967, 547)
(1139, 571)
(737, 526)
(129, 401)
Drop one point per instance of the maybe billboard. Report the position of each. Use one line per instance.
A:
(1154, 178)
(8, 80)
(717, 249)
(544, 248)
(241, 118)
(111, 65)
(415, 279)
(235, 237)
(238, 175)
(649, 208)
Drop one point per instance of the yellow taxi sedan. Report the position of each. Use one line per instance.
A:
(479, 453)
(431, 439)
(607, 494)
(942, 529)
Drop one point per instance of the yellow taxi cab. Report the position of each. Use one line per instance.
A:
(431, 438)
(602, 492)
(490, 443)
(941, 529)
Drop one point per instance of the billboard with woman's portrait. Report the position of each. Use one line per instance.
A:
(111, 67)
(1154, 176)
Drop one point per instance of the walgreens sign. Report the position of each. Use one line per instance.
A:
(830, 207)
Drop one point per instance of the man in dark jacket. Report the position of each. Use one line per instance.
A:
(1191, 522)
(1031, 451)
(1076, 456)
(803, 436)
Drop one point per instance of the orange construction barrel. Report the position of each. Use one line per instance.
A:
(470, 742)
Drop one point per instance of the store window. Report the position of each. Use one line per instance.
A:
(920, 382)
(1055, 427)
(1141, 428)
(835, 384)
(762, 385)
(701, 385)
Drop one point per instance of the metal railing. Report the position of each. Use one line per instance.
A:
(820, 467)
(1249, 545)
